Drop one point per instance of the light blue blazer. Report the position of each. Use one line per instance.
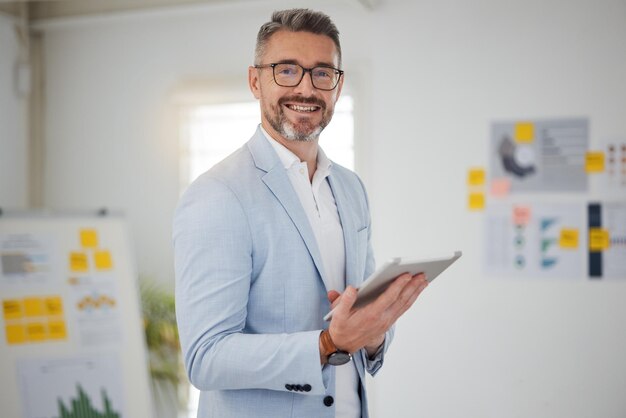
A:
(250, 293)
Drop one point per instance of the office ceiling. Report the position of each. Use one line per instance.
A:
(37, 10)
(48, 9)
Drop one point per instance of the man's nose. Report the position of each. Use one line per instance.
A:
(306, 84)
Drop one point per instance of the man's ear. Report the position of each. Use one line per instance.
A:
(254, 82)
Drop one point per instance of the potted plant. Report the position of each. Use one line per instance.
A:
(169, 383)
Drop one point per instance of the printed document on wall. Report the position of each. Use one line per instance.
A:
(86, 386)
(540, 156)
(539, 240)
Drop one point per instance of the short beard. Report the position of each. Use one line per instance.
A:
(278, 121)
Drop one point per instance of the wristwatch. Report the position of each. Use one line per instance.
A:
(335, 356)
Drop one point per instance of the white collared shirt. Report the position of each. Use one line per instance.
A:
(318, 202)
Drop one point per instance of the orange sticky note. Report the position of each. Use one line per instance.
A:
(476, 201)
(103, 260)
(78, 262)
(89, 238)
(594, 162)
(568, 238)
(15, 334)
(12, 309)
(599, 239)
(521, 215)
(524, 132)
(500, 187)
(476, 177)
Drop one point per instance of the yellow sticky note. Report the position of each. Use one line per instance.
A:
(89, 238)
(476, 177)
(57, 330)
(476, 201)
(33, 307)
(594, 162)
(54, 306)
(568, 238)
(36, 331)
(78, 262)
(524, 132)
(15, 334)
(12, 309)
(598, 239)
(103, 260)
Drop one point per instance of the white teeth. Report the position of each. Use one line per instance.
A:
(302, 108)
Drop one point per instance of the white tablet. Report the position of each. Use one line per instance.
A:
(380, 280)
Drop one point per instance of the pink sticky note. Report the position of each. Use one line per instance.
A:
(500, 187)
(521, 215)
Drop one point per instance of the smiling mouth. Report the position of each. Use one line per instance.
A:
(302, 109)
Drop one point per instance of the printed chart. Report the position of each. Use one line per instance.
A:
(82, 387)
(540, 156)
(539, 241)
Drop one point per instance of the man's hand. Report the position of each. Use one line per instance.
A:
(352, 329)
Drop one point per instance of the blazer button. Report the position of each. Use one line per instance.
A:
(307, 387)
(329, 401)
(289, 387)
(299, 388)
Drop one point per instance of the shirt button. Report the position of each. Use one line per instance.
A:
(302, 171)
(329, 401)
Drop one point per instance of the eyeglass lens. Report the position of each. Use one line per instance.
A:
(290, 75)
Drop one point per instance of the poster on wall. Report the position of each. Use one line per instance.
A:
(86, 386)
(540, 156)
(538, 240)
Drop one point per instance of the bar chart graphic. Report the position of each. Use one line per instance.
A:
(82, 407)
(75, 387)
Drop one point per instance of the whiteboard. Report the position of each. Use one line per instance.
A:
(71, 330)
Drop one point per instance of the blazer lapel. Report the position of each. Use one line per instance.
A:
(347, 224)
(277, 181)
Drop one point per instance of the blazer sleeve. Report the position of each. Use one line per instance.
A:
(213, 263)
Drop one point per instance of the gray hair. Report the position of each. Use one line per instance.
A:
(296, 20)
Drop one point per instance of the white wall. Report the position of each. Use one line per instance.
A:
(428, 78)
(13, 133)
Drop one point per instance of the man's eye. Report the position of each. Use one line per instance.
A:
(287, 71)
(322, 73)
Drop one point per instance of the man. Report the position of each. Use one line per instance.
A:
(269, 237)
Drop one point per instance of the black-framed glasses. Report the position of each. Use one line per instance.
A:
(290, 75)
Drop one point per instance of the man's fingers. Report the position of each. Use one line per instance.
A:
(348, 298)
(333, 295)
(408, 296)
(391, 295)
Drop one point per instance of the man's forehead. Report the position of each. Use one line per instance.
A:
(286, 45)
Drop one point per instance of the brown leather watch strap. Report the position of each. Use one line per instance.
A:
(327, 343)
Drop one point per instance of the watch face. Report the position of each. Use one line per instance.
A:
(338, 358)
